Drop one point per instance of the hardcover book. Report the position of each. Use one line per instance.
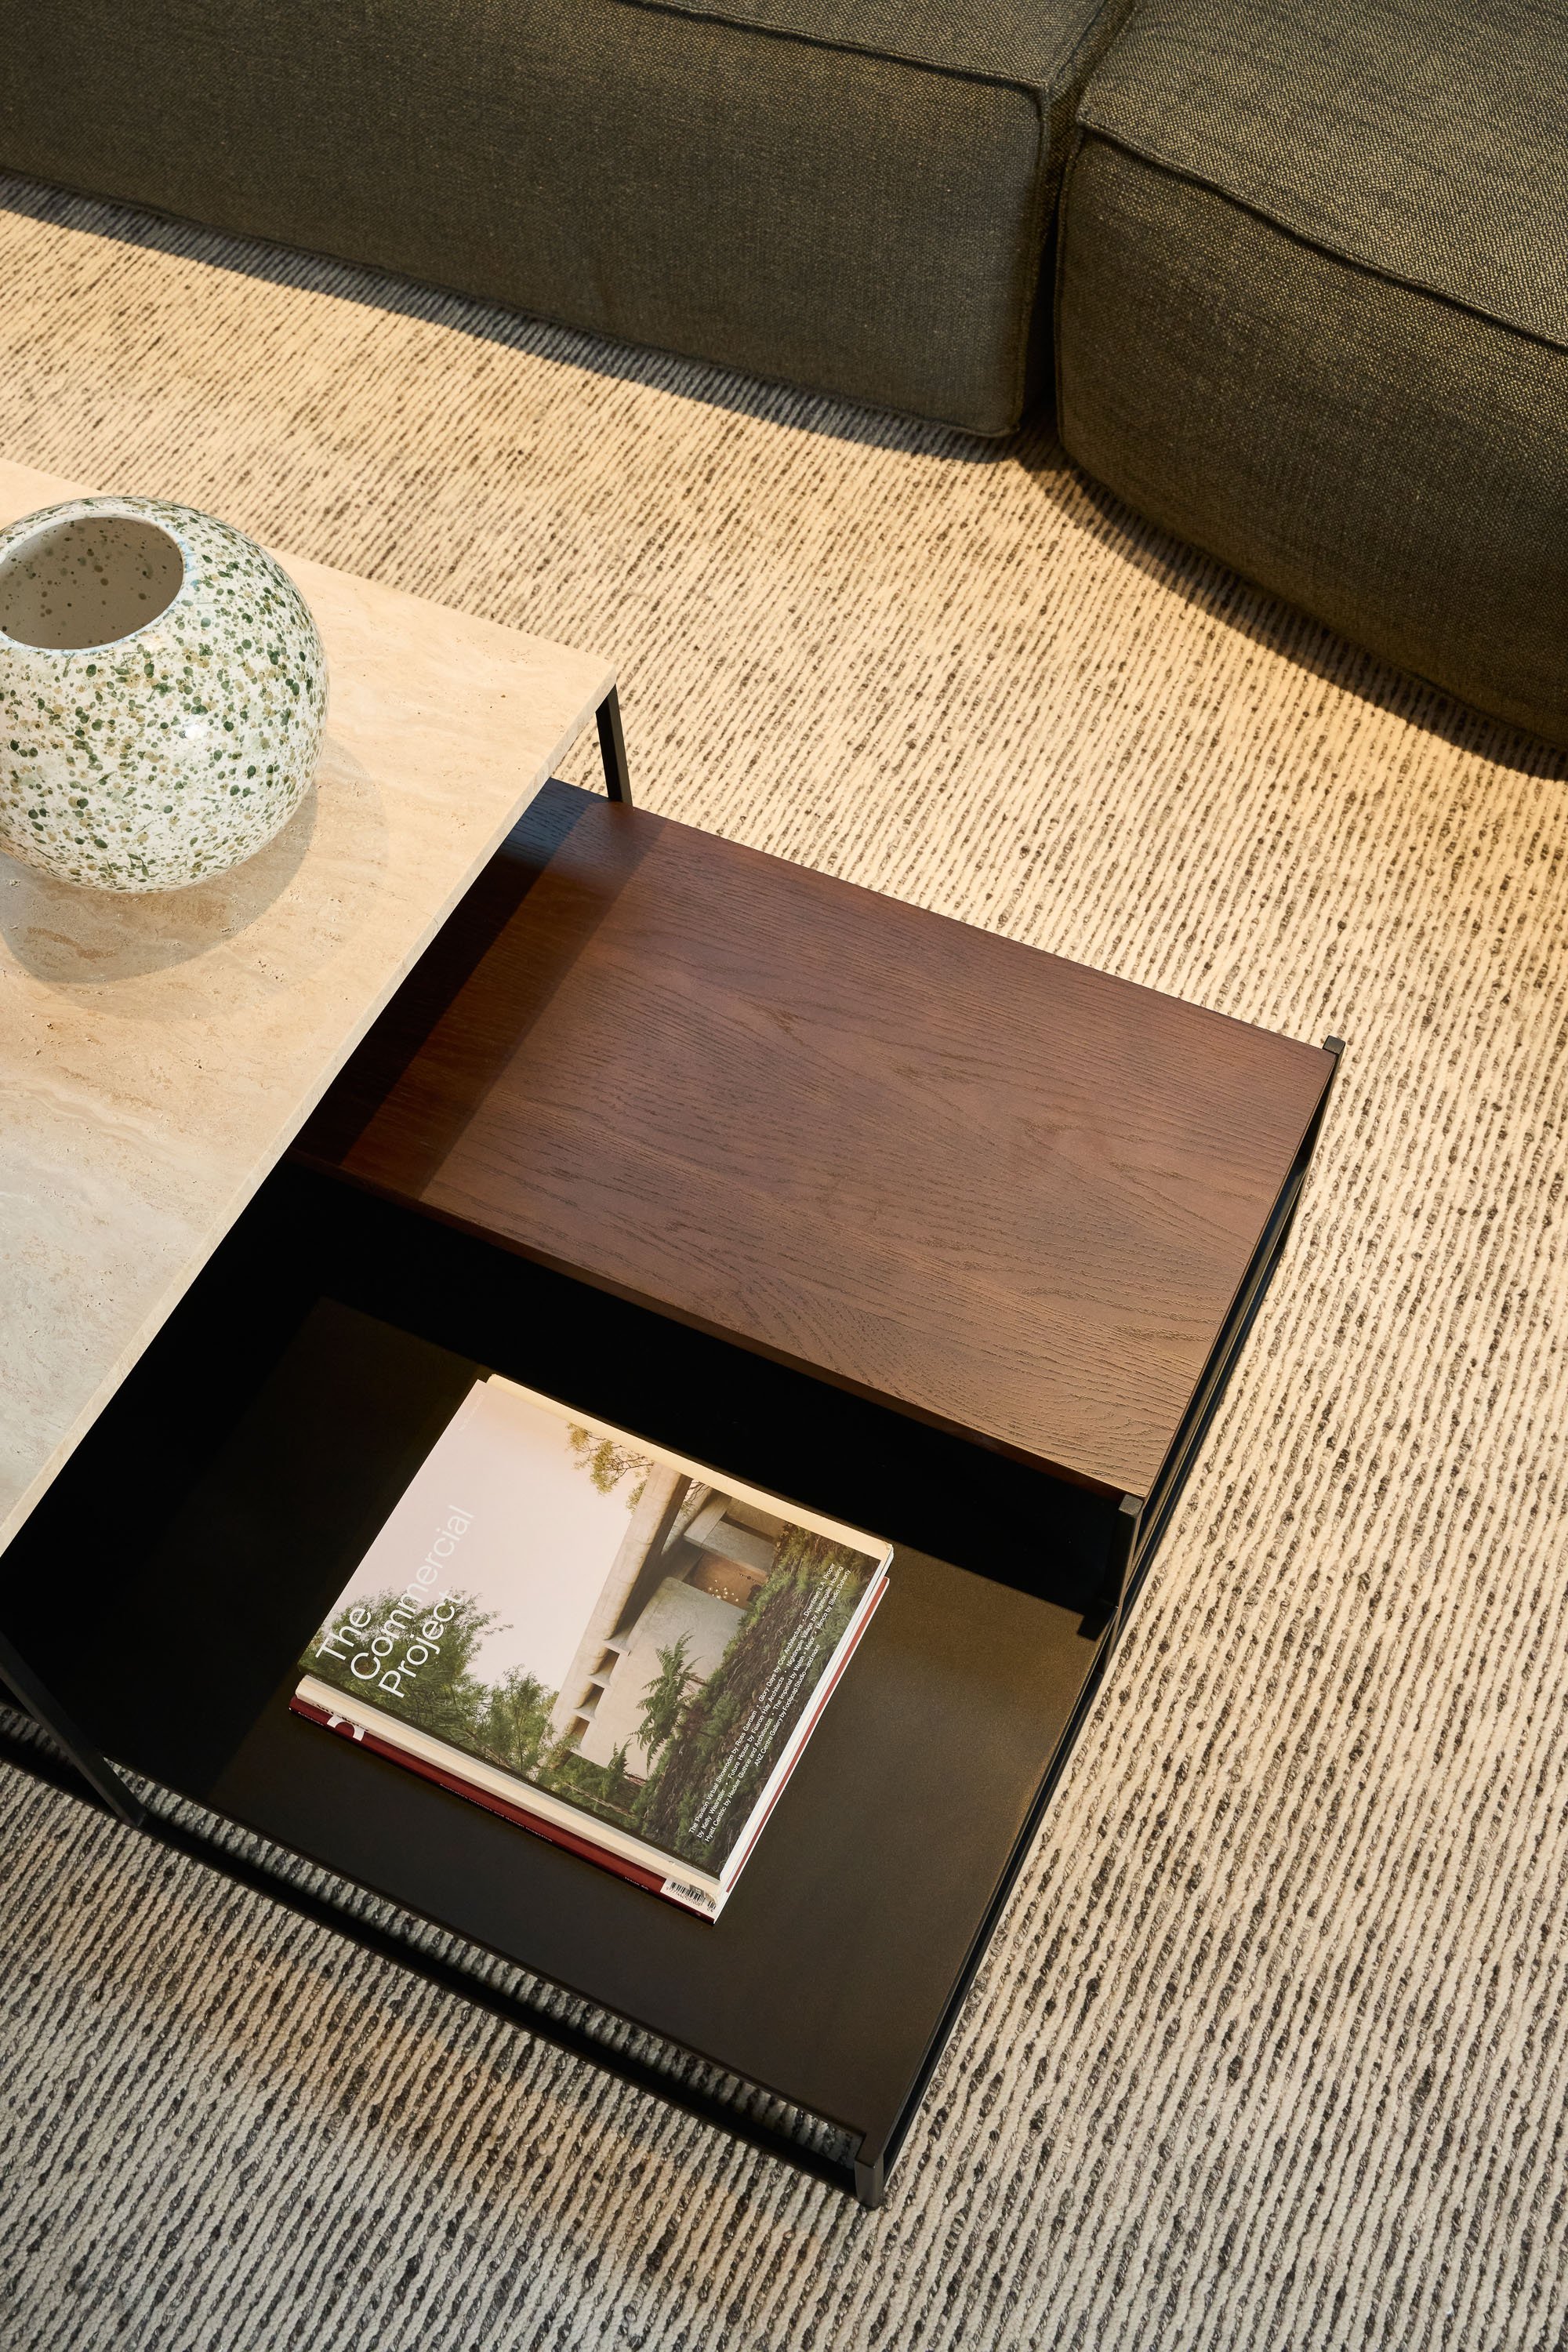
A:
(617, 1649)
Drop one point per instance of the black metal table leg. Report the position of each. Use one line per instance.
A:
(96, 1771)
(613, 750)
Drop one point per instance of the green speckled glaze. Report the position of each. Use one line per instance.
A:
(177, 748)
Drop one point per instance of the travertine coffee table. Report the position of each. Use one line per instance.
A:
(157, 1054)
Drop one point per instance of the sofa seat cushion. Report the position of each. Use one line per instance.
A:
(1313, 312)
(848, 195)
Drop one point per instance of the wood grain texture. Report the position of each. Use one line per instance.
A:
(993, 1189)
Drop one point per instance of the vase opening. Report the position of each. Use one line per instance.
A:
(87, 581)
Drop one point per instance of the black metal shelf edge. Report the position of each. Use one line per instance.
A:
(853, 1932)
(1007, 1675)
(34, 1753)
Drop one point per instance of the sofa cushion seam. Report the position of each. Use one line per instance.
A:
(1029, 86)
(1146, 152)
(1042, 208)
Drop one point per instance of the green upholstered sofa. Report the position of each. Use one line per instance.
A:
(1311, 293)
(851, 195)
(1312, 313)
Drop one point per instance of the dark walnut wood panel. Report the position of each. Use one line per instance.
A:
(990, 1188)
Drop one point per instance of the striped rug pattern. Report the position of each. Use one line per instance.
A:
(1270, 2052)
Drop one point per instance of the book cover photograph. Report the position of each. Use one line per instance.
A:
(614, 1647)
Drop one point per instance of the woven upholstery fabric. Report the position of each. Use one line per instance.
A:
(808, 209)
(1422, 138)
(1313, 308)
(1035, 43)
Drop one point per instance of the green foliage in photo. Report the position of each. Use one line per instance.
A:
(665, 1695)
(506, 1723)
(607, 1462)
(725, 1733)
(815, 1584)
(445, 1697)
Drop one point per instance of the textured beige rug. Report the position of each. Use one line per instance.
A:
(1270, 2050)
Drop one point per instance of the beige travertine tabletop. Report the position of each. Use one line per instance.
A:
(157, 1054)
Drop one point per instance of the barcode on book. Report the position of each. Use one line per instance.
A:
(682, 1891)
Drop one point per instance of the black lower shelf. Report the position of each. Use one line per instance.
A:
(680, 2077)
(214, 1511)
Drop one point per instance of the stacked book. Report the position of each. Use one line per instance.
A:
(615, 1648)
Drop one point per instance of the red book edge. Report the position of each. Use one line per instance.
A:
(519, 1814)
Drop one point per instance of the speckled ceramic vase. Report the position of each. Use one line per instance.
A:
(163, 690)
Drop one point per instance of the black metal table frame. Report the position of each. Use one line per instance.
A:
(79, 1769)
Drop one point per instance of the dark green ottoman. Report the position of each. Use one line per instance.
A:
(853, 195)
(1312, 313)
